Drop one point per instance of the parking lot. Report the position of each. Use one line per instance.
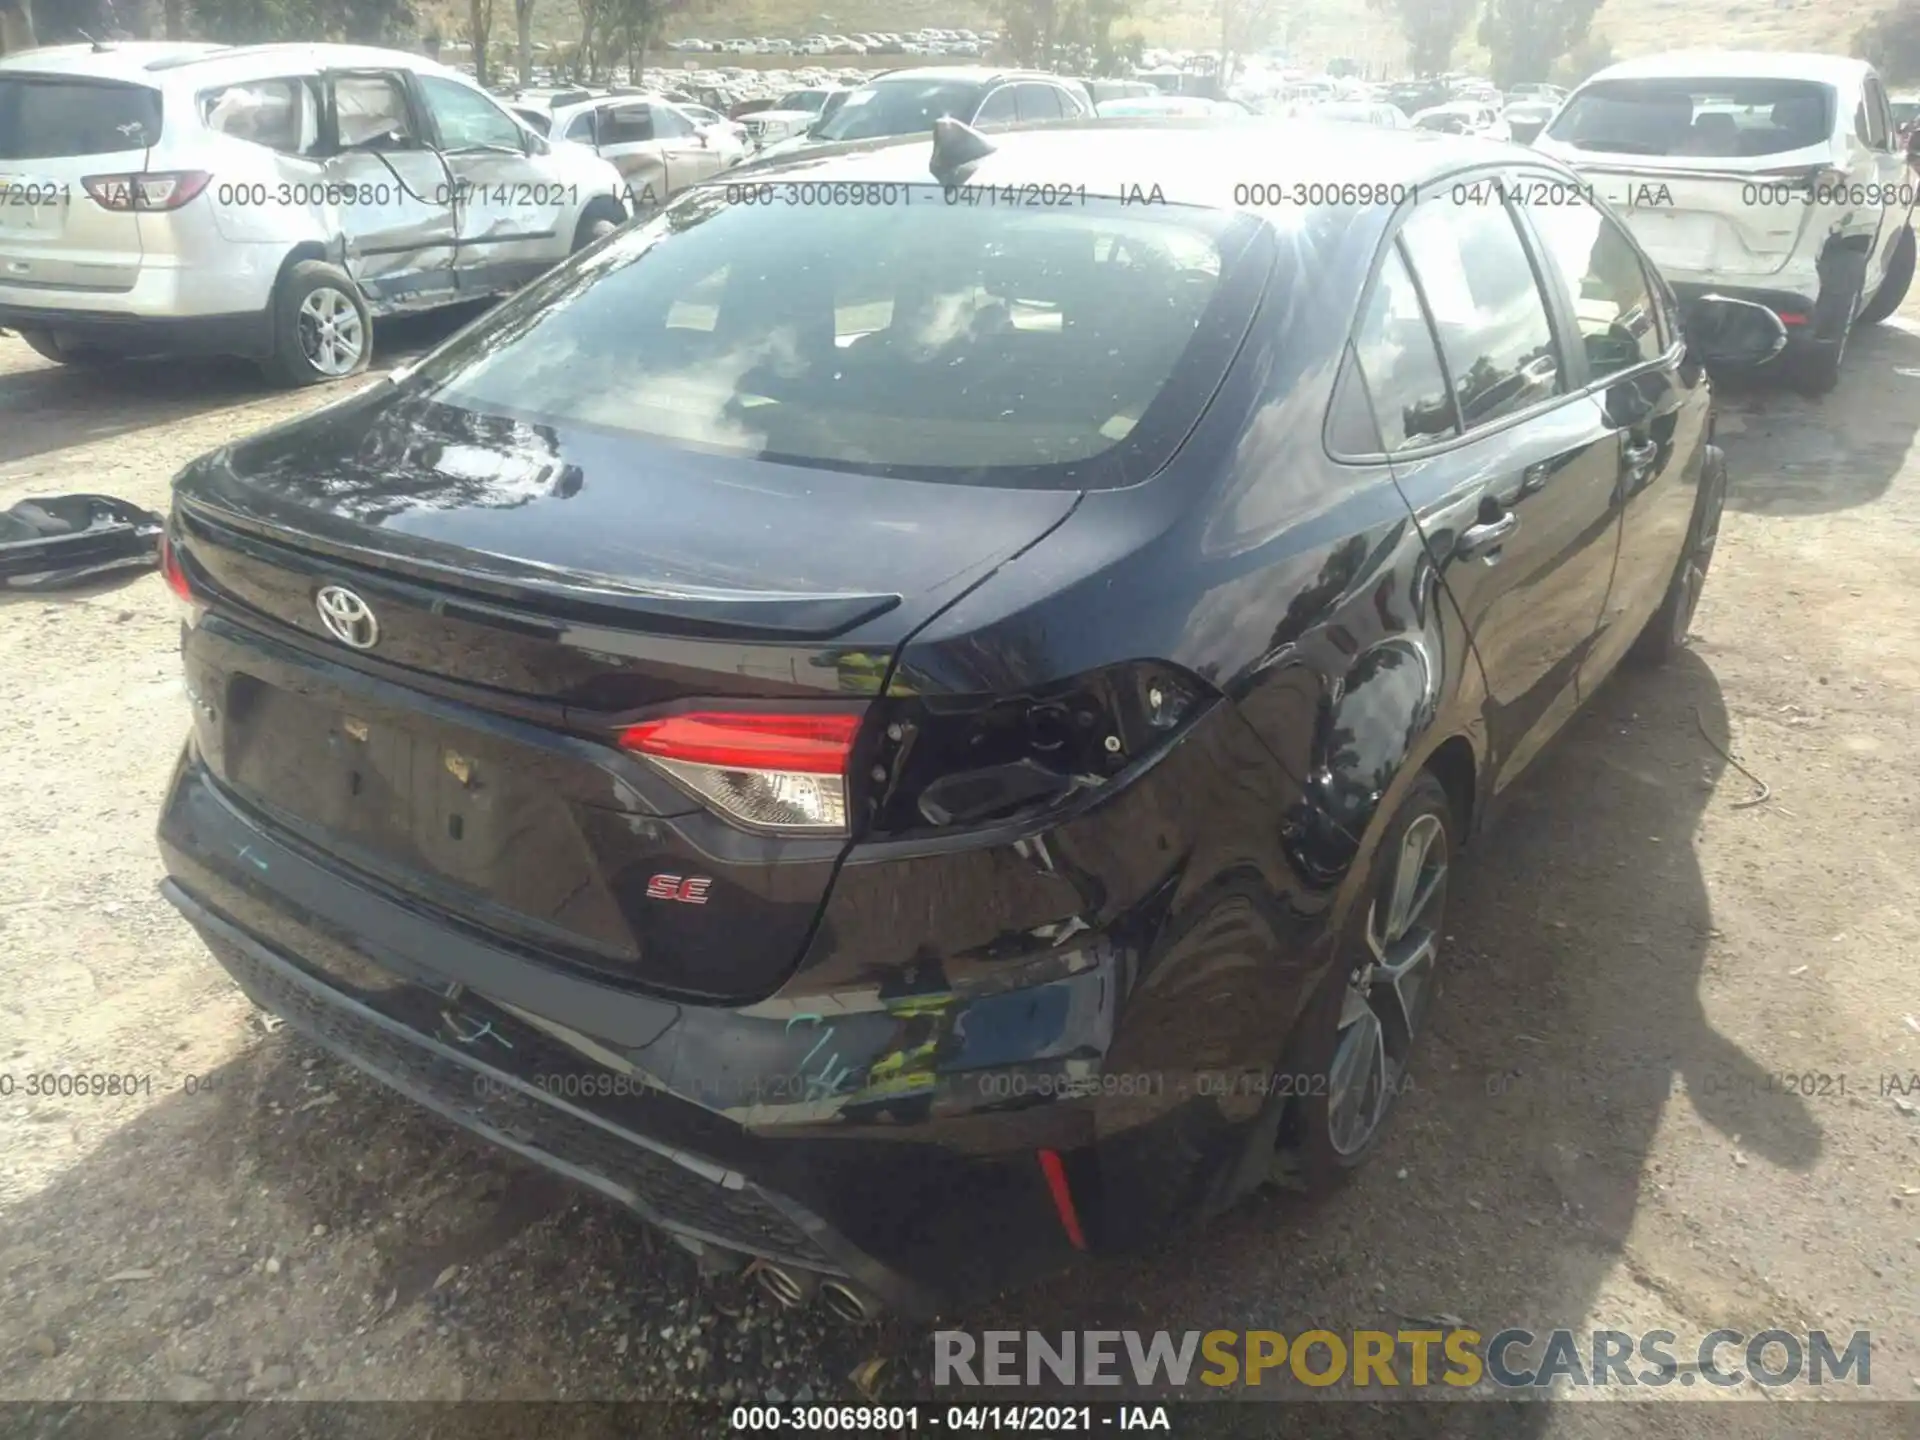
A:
(1655, 1094)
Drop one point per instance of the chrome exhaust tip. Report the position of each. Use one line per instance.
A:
(785, 1288)
(856, 1307)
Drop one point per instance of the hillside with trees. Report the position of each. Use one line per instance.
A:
(1510, 39)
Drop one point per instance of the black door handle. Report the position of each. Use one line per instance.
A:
(1487, 536)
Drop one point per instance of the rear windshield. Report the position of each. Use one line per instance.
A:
(899, 107)
(1062, 347)
(51, 117)
(1728, 119)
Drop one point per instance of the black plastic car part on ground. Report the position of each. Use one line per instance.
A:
(914, 739)
(63, 540)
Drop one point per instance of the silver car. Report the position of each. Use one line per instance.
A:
(658, 148)
(268, 201)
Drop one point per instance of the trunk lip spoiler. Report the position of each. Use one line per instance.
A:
(777, 615)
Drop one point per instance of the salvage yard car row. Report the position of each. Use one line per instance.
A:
(816, 663)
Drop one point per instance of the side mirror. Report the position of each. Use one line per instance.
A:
(1913, 147)
(1724, 331)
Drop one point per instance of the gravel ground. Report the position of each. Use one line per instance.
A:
(1597, 1136)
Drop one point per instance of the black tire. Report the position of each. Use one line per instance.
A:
(1813, 366)
(44, 344)
(322, 329)
(1666, 632)
(1893, 288)
(1317, 1150)
(600, 219)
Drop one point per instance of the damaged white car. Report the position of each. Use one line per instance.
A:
(1769, 177)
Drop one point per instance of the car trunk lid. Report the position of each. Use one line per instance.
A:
(536, 593)
(1706, 220)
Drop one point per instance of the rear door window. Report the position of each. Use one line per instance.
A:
(626, 125)
(998, 108)
(1489, 312)
(51, 117)
(283, 115)
(1395, 352)
(1606, 287)
(1037, 102)
(1879, 120)
(1716, 118)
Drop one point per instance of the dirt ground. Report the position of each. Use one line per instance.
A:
(1601, 1134)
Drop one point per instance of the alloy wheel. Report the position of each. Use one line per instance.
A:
(332, 336)
(1387, 997)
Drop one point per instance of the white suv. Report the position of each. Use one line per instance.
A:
(1769, 177)
(267, 200)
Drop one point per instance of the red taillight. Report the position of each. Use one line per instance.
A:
(153, 190)
(174, 571)
(190, 605)
(781, 771)
(1791, 318)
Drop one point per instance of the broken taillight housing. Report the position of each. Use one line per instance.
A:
(945, 763)
(780, 771)
(190, 606)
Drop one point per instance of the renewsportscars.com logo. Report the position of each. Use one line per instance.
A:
(1375, 1360)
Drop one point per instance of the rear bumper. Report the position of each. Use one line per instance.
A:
(699, 1119)
(219, 303)
(245, 333)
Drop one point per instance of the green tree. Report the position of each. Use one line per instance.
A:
(371, 22)
(1590, 56)
(1526, 37)
(1245, 26)
(480, 33)
(1031, 28)
(1891, 41)
(523, 39)
(1431, 27)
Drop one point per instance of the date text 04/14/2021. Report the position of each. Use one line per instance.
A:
(966, 1419)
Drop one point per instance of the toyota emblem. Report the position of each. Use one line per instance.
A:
(348, 618)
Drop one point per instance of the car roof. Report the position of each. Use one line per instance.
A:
(160, 64)
(571, 110)
(1736, 65)
(1192, 161)
(978, 74)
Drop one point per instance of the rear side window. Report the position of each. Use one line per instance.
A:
(1875, 117)
(1037, 102)
(1486, 306)
(1396, 356)
(899, 107)
(627, 125)
(1606, 286)
(282, 115)
(45, 118)
(1728, 119)
(1064, 348)
(999, 108)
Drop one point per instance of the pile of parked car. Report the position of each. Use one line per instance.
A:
(918, 42)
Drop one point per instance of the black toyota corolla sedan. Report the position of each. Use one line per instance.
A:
(913, 717)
